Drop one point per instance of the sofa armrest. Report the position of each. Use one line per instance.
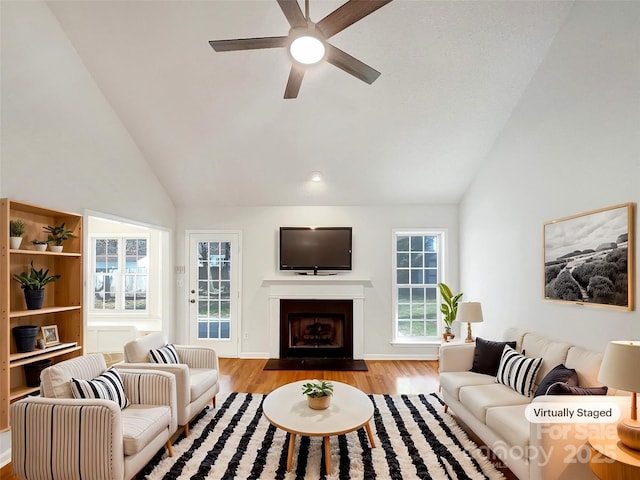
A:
(76, 438)
(561, 450)
(151, 387)
(198, 357)
(456, 357)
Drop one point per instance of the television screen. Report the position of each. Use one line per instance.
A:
(321, 248)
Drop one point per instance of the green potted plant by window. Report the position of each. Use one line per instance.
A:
(449, 309)
(318, 393)
(16, 230)
(57, 235)
(33, 284)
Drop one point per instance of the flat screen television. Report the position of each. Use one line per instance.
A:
(315, 248)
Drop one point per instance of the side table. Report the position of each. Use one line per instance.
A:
(611, 460)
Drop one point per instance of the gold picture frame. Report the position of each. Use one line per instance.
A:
(50, 335)
(589, 258)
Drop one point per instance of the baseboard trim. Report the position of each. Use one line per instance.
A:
(401, 356)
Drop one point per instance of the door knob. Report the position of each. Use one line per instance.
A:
(192, 301)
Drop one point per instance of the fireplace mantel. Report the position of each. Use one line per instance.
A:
(319, 287)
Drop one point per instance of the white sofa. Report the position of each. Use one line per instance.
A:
(496, 413)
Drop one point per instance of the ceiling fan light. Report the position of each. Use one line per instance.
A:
(307, 49)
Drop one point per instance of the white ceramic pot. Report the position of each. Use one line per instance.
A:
(55, 248)
(41, 247)
(14, 242)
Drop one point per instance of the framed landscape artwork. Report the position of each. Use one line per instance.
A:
(589, 258)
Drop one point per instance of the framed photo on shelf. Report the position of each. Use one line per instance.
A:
(50, 335)
(589, 258)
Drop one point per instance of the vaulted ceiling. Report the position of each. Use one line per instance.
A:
(216, 129)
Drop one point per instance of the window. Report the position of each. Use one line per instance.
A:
(417, 271)
(120, 274)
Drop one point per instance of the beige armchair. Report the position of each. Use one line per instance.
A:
(58, 436)
(196, 375)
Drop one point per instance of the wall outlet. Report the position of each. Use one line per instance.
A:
(246, 335)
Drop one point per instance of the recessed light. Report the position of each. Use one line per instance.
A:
(316, 176)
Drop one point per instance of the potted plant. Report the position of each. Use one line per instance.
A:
(40, 245)
(449, 309)
(16, 230)
(318, 393)
(57, 235)
(33, 284)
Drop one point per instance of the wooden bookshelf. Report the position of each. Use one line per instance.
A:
(63, 302)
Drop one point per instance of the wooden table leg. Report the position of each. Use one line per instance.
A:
(292, 444)
(327, 455)
(367, 426)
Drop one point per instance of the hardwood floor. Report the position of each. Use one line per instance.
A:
(388, 376)
(384, 376)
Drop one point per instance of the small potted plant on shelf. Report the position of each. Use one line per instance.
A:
(318, 393)
(40, 245)
(57, 235)
(449, 309)
(16, 230)
(33, 284)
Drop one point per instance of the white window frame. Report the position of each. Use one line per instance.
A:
(119, 276)
(441, 268)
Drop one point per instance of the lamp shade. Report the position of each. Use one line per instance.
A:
(619, 367)
(469, 312)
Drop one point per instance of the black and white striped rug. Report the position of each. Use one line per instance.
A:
(415, 439)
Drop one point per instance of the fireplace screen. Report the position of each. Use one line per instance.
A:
(316, 330)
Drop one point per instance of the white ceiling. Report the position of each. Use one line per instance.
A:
(216, 130)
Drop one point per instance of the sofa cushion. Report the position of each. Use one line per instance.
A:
(137, 351)
(486, 356)
(478, 398)
(518, 371)
(201, 379)
(510, 424)
(107, 386)
(141, 424)
(559, 373)
(451, 382)
(561, 388)
(165, 354)
(553, 352)
(587, 364)
(56, 379)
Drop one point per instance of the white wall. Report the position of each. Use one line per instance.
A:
(571, 146)
(372, 234)
(62, 144)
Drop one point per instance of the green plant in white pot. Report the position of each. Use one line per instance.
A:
(57, 235)
(318, 393)
(16, 230)
(449, 309)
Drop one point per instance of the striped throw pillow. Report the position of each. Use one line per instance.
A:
(107, 386)
(166, 354)
(517, 371)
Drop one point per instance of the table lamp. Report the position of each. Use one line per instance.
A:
(469, 312)
(619, 369)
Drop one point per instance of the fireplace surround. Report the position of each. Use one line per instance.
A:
(333, 287)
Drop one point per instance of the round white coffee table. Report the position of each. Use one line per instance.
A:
(286, 408)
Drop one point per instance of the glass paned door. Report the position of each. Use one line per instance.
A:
(213, 293)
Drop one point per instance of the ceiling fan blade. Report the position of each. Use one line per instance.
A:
(348, 14)
(294, 82)
(292, 11)
(248, 43)
(351, 65)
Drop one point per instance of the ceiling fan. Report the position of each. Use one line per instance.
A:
(308, 38)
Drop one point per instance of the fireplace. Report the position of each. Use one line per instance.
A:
(316, 328)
